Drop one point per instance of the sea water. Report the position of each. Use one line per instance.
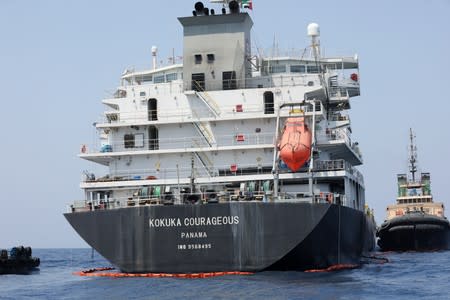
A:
(408, 275)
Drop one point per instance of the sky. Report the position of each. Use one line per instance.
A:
(58, 59)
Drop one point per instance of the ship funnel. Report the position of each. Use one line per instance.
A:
(234, 7)
(154, 52)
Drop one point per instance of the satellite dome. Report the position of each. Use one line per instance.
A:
(313, 29)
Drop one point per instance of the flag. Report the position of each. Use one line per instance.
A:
(247, 4)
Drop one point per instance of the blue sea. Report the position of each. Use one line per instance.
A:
(407, 275)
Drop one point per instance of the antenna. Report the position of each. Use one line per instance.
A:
(413, 155)
(154, 52)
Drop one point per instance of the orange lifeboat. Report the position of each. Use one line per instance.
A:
(295, 143)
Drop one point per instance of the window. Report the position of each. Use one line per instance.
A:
(198, 82)
(229, 80)
(198, 59)
(298, 69)
(171, 77)
(313, 69)
(278, 69)
(153, 143)
(210, 58)
(144, 78)
(268, 103)
(159, 79)
(152, 108)
(128, 140)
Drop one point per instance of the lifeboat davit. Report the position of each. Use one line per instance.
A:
(295, 143)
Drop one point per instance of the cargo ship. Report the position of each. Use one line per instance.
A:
(228, 161)
(415, 222)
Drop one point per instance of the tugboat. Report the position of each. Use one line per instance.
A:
(416, 222)
(18, 261)
(230, 161)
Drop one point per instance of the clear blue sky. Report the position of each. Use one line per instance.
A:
(58, 59)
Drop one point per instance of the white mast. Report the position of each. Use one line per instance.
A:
(154, 52)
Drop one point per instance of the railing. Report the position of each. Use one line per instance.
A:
(179, 115)
(333, 135)
(181, 172)
(206, 98)
(338, 93)
(218, 171)
(269, 81)
(329, 165)
(339, 117)
(336, 135)
(203, 197)
(184, 143)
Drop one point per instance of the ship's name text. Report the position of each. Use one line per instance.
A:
(194, 221)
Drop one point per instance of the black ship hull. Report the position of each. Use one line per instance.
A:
(235, 236)
(415, 232)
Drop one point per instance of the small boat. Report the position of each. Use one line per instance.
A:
(295, 144)
(18, 261)
(415, 222)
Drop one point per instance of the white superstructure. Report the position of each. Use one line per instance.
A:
(206, 130)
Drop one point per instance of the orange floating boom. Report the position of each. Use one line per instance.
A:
(96, 272)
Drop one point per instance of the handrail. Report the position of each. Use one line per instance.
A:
(207, 99)
(183, 115)
(203, 198)
(118, 145)
(216, 171)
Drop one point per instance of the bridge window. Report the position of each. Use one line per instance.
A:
(278, 69)
(313, 69)
(298, 69)
(159, 79)
(171, 77)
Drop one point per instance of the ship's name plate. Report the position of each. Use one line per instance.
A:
(194, 221)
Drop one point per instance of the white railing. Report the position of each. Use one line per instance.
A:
(179, 115)
(333, 135)
(217, 171)
(181, 172)
(185, 143)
